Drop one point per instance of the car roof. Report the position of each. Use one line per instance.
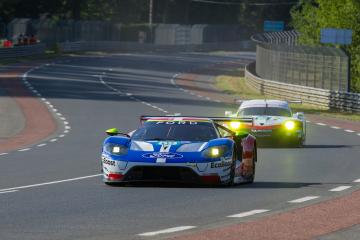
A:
(265, 103)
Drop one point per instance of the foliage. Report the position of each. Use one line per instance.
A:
(312, 15)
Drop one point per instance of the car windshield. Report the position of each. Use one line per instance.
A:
(268, 111)
(175, 131)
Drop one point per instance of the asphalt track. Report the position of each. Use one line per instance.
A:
(93, 93)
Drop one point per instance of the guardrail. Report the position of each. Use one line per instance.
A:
(323, 98)
(134, 46)
(22, 51)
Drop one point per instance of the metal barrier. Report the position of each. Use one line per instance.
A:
(133, 46)
(315, 96)
(22, 51)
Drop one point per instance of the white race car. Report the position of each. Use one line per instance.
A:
(274, 122)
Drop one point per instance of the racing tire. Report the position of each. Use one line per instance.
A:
(252, 178)
(232, 171)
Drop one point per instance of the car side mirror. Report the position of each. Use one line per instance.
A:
(112, 131)
(228, 113)
(299, 115)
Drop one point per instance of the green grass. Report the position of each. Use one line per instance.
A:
(234, 85)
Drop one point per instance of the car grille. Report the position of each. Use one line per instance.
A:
(161, 173)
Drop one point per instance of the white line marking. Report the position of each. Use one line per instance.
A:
(62, 135)
(62, 118)
(25, 149)
(67, 127)
(321, 124)
(53, 140)
(249, 213)
(339, 189)
(357, 180)
(66, 131)
(2, 154)
(66, 123)
(335, 127)
(168, 230)
(59, 114)
(8, 191)
(349, 131)
(304, 199)
(41, 145)
(49, 183)
(358, 134)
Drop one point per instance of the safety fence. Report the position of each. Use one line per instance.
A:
(54, 31)
(22, 51)
(278, 58)
(323, 98)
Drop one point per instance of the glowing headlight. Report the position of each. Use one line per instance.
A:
(116, 149)
(289, 125)
(215, 152)
(235, 125)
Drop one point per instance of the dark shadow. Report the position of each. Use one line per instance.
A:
(257, 185)
(328, 146)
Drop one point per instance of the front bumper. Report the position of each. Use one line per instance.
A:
(204, 173)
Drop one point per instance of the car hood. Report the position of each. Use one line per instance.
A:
(265, 122)
(167, 146)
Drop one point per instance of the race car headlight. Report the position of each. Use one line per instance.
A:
(116, 149)
(235, 125)
(215, 152)
(290, 125)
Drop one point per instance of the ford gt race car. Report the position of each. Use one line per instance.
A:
(274, 122)
(180, 149)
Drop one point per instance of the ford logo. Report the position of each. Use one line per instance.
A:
(162, 155)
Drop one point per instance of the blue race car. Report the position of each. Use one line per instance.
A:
(180, 149)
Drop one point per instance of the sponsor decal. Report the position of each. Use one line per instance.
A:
(108, 162)
(167, 143)
(162, 155)
(220, 164)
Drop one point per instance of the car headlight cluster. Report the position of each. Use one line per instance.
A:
(116, 149)
(292, 125)
(215, 152)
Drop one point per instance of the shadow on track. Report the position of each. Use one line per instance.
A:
(256, 185)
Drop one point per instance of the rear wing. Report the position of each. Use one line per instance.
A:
(218, 120)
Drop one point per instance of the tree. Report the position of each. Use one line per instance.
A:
(312, 15)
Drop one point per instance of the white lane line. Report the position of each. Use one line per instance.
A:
(67, 127)
(8, 191)
(358, 134)
(24, 149)
(49, 183)
(59, 114)
(357, 180)
(349, 131)
(2, 154)
(53, 140)
(62, 135)
(41, 145)
(66, 131)
(321, 124)
(168, 230)
(304, 199)
(66, 123)
(339, 189)
(249, 213)
(335, 127)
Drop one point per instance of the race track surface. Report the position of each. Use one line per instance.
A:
(93, 93)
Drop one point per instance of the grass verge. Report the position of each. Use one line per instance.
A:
(234, 85)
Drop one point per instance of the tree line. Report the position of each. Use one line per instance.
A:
(311, 15)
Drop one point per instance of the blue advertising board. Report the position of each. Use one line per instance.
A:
(273, 26)
(336, 36)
